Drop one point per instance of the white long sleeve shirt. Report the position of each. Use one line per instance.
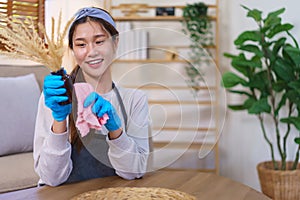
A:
(128, 154)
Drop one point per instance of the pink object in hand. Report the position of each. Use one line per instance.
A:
(86, 119)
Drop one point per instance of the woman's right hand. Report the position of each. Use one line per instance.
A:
(54, 94)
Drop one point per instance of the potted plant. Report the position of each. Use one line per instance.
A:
(197, 25)
(267, 74)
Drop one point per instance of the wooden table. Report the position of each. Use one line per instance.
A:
(202, 185)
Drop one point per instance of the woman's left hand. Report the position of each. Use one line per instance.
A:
(102, 106)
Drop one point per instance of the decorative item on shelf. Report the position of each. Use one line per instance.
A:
(132, 10)
(22, 41)
(198, 27)
(267, 75)
(171, 54)
(165, 11)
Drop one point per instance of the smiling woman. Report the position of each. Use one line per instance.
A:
(121, 146)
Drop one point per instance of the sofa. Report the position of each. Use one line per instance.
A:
(20, 88)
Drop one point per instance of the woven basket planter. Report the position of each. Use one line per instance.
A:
(277, 184)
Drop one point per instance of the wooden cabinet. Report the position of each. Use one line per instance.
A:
(185, 125)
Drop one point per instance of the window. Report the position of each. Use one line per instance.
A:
(22, 9)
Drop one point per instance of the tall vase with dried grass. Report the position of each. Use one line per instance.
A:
(22, 41)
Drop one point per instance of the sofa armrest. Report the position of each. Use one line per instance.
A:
(17, 172)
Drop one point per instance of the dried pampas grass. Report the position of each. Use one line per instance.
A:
(21, 40)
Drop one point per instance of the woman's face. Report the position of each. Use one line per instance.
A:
(93, 48)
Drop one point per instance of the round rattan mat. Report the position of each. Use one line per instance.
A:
(134, 193)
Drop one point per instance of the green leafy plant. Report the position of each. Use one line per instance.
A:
(199, 29)
(267, 73)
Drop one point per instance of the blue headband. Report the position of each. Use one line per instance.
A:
(94, 12)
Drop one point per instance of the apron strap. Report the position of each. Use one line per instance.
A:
(121, 104)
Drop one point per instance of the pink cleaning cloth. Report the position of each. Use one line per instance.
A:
(86, 119)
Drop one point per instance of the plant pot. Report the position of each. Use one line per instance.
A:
(278, 184)
(67, 84)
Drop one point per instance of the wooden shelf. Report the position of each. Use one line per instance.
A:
(150, 61)
(154, 18)
(178, 47)
(181, 145)
(164, 6)
(164, 102)
(169, 128)
(155, 87)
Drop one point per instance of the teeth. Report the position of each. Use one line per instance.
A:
(95, 62)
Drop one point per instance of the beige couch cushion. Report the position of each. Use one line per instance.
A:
(18, 108)
(17, 172)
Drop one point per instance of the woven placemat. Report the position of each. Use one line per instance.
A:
(134, 193)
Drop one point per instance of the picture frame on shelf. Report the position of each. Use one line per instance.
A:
(165, 11)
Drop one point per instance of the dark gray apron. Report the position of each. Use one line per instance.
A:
(92, 160)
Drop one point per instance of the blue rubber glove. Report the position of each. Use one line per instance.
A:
(54, 93)
(102, 106)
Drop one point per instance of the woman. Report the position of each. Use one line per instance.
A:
(121, 146)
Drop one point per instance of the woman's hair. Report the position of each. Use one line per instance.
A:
(74, 137)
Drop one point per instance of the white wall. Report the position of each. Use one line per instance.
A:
(242, 145)
(68, 8)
